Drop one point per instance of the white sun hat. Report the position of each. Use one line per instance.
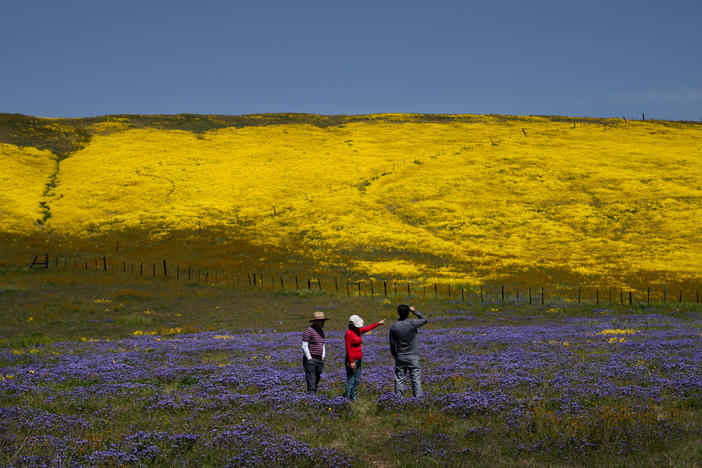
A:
(356, 321)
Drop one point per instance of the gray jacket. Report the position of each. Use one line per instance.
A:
(403, 340)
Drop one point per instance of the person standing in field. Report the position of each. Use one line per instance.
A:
(403, 347)
(314, 352)
(354, 353)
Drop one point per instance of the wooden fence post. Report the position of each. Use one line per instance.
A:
(348, 292)
(648, 295)
(597, 296)
(449, 291)
(630, 298)
(141, 268)
(154, 269)
(503, 293)
(371, 287)
(319, 283)
(621, 296)
(282, 285)
(516, 301)
(336, 285)
(297, 286)
(481, 293)
(177, 271)
(578, 295)
(188, 272)
(359, 287)
(409, 293)
(385, 287)
(529, 296)
(165, 269)
(680, 296)
(542, 296)
(463, 298)
(665, 294)
(436, 291)
(309, 283)
(104, 264)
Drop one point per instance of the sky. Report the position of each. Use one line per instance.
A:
(596, 58)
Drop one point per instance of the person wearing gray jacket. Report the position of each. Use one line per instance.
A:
(403, 347)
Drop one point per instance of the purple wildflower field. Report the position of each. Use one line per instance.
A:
(602, 386)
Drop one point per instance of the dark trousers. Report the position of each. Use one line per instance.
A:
(313, 371)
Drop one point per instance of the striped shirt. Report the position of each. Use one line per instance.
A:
(315, 338)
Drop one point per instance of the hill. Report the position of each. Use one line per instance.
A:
(465, 198)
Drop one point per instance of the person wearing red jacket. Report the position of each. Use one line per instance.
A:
(354, 353)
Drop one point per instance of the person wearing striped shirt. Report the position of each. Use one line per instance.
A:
(314, 352)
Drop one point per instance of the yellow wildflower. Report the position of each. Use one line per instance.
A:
(619, 331)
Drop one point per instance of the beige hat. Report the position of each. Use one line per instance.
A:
(318, 316)
(356, 321)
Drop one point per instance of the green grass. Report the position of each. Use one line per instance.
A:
(71, 305)
(42, 306)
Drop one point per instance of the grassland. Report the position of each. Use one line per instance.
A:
(465, 199)
(109, 369)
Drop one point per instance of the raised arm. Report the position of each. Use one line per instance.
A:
(420, 320)
(372, 326)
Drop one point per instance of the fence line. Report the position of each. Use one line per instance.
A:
(489, 292)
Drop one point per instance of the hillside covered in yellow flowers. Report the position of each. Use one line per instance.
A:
(464, 198)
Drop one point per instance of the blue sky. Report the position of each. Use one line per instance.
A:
(595, 58)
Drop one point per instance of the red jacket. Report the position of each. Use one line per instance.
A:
(353, 342)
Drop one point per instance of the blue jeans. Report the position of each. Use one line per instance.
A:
(353, 379)
(313, 371)
(415, 375)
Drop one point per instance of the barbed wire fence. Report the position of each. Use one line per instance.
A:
(490, 292)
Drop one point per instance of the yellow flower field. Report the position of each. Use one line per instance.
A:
(23, 178)
(464, 198)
